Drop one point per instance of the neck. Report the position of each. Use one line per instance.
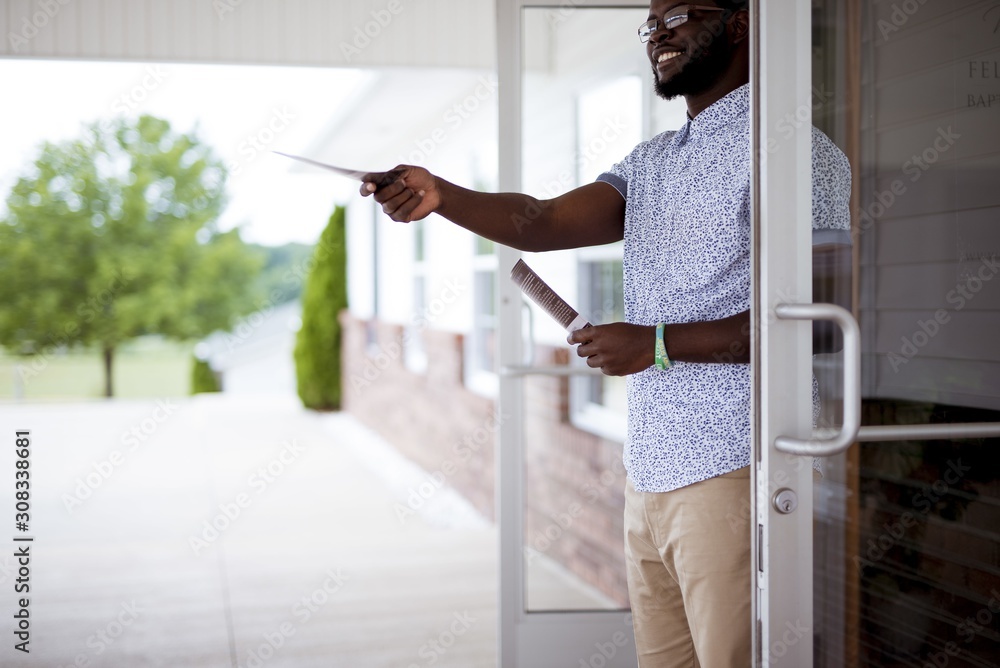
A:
(731, 79)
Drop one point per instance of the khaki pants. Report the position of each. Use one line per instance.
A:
(689, 581)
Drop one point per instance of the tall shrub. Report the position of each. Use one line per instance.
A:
(318, 343)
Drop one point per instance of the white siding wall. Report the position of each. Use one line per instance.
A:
(457, 145)
(943, 229)
(421, 33)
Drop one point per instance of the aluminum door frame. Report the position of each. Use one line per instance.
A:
(781, 361)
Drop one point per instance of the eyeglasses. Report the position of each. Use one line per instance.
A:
(673, 18)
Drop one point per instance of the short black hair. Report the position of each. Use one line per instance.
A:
(733, 5)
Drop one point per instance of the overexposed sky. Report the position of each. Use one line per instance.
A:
(242, 111)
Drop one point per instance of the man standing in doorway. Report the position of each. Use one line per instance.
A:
(681, 202)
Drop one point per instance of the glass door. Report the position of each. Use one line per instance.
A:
(574, 100)
(886, 556)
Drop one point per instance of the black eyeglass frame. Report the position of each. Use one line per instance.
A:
(677, 19)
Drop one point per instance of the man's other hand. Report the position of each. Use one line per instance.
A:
(406, 193)
(618, 349)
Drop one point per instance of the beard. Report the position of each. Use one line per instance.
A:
(699, 74)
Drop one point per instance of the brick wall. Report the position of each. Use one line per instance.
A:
(574, 479)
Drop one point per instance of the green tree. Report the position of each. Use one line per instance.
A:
(318, 343)
(113, 236)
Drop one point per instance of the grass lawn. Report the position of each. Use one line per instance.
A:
(144, 368)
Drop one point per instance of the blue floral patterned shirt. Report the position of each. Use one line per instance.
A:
(687, 259)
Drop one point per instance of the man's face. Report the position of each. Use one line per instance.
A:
(688, 59)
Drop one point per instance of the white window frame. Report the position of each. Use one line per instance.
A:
(585, 414)
(414, 348)
(479, 379)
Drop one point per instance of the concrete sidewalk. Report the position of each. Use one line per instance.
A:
(236, 531)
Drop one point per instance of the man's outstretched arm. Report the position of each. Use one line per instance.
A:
(590, 215)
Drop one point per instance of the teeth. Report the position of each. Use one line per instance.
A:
(667, 56)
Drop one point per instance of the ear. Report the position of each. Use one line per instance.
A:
(739, 26)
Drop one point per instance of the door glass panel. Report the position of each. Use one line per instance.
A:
(907, 570)
(585, 106)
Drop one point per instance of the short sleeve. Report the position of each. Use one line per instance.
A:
(831, 192)
(623, 171)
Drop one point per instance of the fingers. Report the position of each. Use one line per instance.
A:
(386, 192)
(401, 207)
(583, 335)
(397, 200)
(372, 181)
(588, 349)
(377, 182)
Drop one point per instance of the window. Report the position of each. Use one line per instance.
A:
(598, 402)
(415, 353)
(609, 124)
(480, 348)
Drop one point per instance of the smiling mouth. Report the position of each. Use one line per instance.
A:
(667, 55)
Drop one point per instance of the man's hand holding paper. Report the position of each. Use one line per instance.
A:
(406, 193)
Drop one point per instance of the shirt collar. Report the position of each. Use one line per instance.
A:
(723, 111)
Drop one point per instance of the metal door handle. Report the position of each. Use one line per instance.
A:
(842, 439)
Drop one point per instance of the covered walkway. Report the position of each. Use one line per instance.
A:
(308, 562)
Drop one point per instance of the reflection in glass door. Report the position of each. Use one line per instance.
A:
(582, 110)
(907, 522)
(572, 104)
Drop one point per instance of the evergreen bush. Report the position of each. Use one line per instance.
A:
(203, 379)
(318, 342)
